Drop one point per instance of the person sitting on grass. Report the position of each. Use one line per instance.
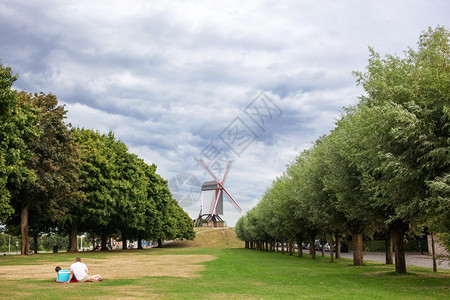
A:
(62, 275)
(80, 271)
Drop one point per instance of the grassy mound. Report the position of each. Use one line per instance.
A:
(211, 238)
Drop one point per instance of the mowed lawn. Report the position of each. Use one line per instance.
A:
(196, 273)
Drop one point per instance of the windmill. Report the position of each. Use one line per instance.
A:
(212, 199)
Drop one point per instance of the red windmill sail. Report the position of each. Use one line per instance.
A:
(221, 187)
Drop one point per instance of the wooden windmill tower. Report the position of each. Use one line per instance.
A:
(212, 200)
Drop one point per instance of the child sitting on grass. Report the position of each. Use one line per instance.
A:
(62, 275)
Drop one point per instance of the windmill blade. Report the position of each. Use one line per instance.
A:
(226, 172)
(215, 201)
(236, 205)
(201, 162)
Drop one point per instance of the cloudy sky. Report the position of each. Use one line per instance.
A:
(253, 81)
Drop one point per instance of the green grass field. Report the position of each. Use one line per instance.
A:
(228, 274)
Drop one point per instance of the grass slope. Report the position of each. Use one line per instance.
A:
(211, 238)
(233, 274)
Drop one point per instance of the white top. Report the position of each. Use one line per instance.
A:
(79, 270)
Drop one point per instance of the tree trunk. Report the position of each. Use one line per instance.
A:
(312, 249)
(398, 229)
(124, 241)
(357, 241)
(25, 249)
(36, 242)
(291, 247)
(276, 245)
(139, 241)
(104, 240)
(160, 244)
(338, 247)
(331, 248)
(323, 249)
(389, 253)
(282, 247)
(299, 247)
(73, 239)
(433, 252)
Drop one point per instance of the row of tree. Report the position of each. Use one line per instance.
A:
(385, 167)
(54, 178)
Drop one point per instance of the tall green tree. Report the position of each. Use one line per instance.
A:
(405, 132)
(315, 202)
(343, 179)
(98, 174)
(17, 130)
(54, 161)
(149, 227)
(171, 221)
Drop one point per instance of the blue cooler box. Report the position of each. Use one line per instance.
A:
(63, 275)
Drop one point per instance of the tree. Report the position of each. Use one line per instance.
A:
(386, 165)
(171, 221)
(404, 130)
(315, 202)
(130, 193)
(54, 161)
(17, 130)
(344, 181)
(98, 175)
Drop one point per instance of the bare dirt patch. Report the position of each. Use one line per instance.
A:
(115, 267)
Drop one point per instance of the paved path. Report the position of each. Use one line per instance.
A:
(413, 259)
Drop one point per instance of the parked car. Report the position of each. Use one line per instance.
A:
(318, 246)
(327, 247)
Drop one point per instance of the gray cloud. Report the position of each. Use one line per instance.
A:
(169, 77)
